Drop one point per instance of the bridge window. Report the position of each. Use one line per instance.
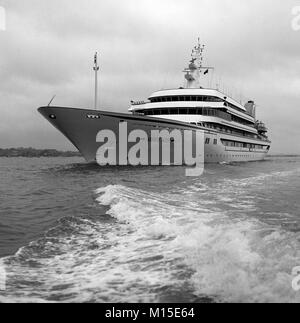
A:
(183, 111)
(174, 111)
(186, 98)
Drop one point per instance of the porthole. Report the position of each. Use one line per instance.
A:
(52, 116)
(93, 116)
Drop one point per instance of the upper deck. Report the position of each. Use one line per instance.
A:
(195, 103)
(196, 95)
(193, 98)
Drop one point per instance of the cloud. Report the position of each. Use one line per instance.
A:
(144, 45)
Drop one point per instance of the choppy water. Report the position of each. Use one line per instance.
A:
(80, 233)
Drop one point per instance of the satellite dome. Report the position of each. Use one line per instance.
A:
(189, 77)
(192, 66)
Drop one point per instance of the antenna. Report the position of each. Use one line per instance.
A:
(51, 100)
(96, 69)
(196, 69)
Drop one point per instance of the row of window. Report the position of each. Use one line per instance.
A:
(226, 129)
(187, 98)
(227, 104)
(207, 141)
(194, 111)
(195, 98)
(93, 116)
(230, 156)
(229, 143)
(242, 121)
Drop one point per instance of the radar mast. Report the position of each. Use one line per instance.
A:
(196, 69)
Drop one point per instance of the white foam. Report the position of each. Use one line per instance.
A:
(156, 236)
(234, 260)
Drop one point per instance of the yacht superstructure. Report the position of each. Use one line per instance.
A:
(232, 132)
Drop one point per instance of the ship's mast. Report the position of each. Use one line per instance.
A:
(96, 69)
(195, 69)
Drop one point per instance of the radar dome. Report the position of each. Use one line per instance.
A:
(192, 66)
(189, 77)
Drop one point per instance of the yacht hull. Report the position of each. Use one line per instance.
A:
(81, 127)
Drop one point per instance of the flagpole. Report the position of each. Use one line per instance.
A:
(96, 69)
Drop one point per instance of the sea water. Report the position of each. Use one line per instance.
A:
(71, 232)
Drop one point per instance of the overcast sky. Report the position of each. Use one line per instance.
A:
(48, 49)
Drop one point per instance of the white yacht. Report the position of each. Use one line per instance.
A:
(232, 132)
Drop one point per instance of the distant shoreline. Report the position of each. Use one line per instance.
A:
(32, 153)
